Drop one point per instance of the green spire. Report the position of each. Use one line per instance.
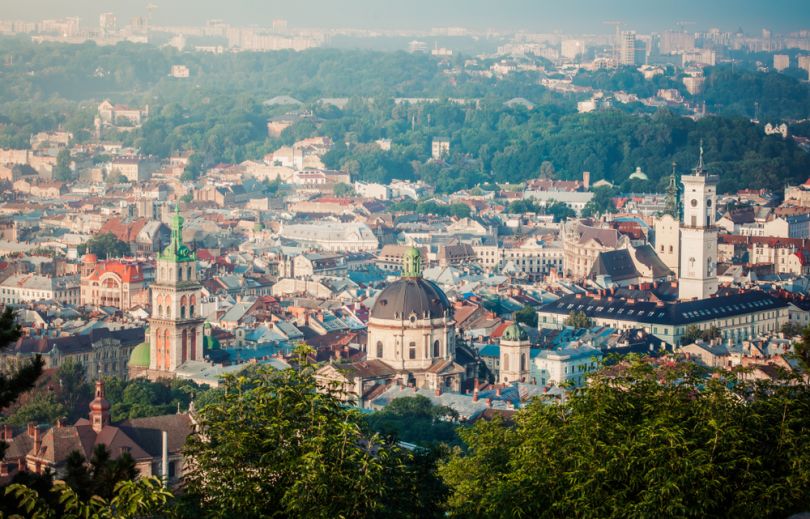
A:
(673, 196)
(412, 263)
(177, 251)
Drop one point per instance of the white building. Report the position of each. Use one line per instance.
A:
(530, 257)
(565, 365)
(698, 268)
(23, 288)
(332, 236)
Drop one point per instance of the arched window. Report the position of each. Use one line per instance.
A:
(166, 348)
(379, 349)
(193, 345)
(183, 304)
(159, 310)
(192, 301)
(436, 348)
(522, 362)
(670, 249)
(184, 345)
(188, 273)
(158, 348)
(505, 366)
(412, 350)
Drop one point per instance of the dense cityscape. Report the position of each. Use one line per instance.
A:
(288, 271)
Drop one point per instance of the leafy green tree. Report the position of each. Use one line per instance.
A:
(527, 315)
(578, 320)
(343, 190)
(801, 350)
(144, 497)
(792, 329)
(633, 442)
(276, 445)
(15, 383)
(40, 407)
(601, 203)
(416, 420)
(693, 333)
(72, 385)
(102, 475)
(107, 245)
(62, 170)
(560, 211)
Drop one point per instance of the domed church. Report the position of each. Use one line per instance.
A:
(411, 339)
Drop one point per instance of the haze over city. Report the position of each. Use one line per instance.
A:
(413, 260)
(574, 16)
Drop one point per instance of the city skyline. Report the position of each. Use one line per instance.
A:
(585, 16)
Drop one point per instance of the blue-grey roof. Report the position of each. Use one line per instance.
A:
(679, 313)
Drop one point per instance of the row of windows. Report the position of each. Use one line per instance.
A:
(411, 349)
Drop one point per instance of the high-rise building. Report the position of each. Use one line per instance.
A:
(108, 23)
(570, 49)
(804, 63)
(627, 48)
(781, 62)
(176, 327)
(673, 42)
(698, 274)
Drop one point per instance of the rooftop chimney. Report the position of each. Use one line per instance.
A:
(8, 434)
(31, 427)
(37, 440)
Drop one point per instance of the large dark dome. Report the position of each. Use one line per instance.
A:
(411, 296)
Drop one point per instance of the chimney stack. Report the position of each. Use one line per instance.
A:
(37, 440)
(438, 391)
(8, 434)
(586, 179)
(498, 391)
(31, 427)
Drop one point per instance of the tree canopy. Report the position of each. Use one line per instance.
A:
(642, 440)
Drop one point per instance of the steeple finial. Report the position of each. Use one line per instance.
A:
(699, 168)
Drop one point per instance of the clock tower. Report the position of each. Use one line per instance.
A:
(176, 327)
(698, 275)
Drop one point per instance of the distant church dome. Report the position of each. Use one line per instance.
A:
(411, 296)
(140, 357)
(514, 333)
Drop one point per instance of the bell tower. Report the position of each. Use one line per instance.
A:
(515, 355)
(698, 265)
(176, 327)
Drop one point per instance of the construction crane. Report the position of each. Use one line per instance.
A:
(616, 37)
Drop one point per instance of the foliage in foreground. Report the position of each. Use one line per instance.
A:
(140, 498)
(642, 441)
(275, 446)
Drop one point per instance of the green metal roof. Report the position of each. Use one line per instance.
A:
(140, 356)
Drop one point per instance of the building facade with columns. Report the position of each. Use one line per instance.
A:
(411, 341)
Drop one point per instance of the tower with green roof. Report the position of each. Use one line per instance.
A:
(176, 326)
(515, 355)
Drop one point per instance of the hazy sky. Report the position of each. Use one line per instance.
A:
(532, 15)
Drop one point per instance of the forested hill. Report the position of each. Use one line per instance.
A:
(220, 114)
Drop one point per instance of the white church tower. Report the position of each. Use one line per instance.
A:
(698, 276)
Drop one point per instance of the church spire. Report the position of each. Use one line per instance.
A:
(176, 250)
(673, 198)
